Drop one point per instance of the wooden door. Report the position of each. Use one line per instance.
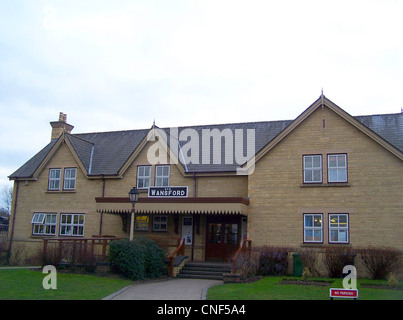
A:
(223, 237)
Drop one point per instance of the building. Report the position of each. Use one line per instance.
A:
(325, 178)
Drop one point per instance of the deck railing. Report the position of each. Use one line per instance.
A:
(80, 247)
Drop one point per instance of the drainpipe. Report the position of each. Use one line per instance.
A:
(193, 219)
(14, 214)
(102, 214)
(195, 185)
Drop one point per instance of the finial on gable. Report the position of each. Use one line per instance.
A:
(321, 97)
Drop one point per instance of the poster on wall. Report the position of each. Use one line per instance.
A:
(187, 229)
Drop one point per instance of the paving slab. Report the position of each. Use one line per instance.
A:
(170, 289)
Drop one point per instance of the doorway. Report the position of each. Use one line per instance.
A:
(223, 237)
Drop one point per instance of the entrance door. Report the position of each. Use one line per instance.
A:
(223, 237)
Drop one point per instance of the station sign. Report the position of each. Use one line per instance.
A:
(168, 192)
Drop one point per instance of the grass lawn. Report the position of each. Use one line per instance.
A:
(269, 289)
(21, 284)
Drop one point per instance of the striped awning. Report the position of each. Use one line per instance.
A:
(202, 205)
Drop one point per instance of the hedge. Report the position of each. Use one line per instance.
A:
(138, 259)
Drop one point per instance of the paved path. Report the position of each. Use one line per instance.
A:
(171, 289)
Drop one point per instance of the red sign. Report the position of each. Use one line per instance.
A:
(344, 293)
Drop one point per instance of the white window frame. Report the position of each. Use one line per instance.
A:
(44, 223)
(54, 182)
(161, 178)
(337, 169)
(314, 229)
(312, 169)
(337, 228)
(71, 226)
(69, 179)
(143, 179)
(160, 223)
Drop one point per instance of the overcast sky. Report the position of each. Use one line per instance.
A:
(116, 65)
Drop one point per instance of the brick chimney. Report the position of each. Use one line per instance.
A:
(58, 127)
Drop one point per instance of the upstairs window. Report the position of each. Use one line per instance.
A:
(162, 176)
(143, 177)
(337, 167)
(69, 179)
(312, 169)
(54, 179)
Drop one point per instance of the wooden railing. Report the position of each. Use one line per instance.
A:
(244, 246)
(179, 250)
(168, 244)
(82, 247)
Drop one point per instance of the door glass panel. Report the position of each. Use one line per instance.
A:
(214, 233)
(231, 233)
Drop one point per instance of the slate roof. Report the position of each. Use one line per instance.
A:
(104, 153)
(28, 169)
(109, 150)
(387, 126)
(265, 131)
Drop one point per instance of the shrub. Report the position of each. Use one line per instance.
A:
(53, 256)
(127, 258)
(392, 280)
(308, 258)
(153, 259)
(137, 259)
(306, 274)
(89, 261)
(247, 264)
(3, 253)
(274, 260)
(336, 258)
(379, 261)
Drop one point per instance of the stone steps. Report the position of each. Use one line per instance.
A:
(204, 270)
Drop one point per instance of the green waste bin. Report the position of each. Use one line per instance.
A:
(297, 265)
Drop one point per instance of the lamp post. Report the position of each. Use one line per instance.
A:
(134, 197)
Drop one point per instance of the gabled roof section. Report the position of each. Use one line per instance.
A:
(28, 169)
(111, 150)
(384, 129)
(387, 126)
(111, 153)
(83, 149)
(265, 131)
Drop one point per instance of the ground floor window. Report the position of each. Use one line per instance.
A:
(313, 230)
(71, 224)
(338, 228)
(160, 223)
(44, 223)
